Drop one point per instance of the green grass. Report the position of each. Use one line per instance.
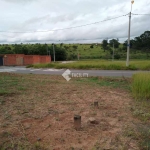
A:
(6, 88)
(107, 82)
(141, 91)
(98, 64)
(97, 52)
(141, 109)
(85, 51)
(141, 86)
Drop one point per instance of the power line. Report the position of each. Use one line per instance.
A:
(140, 14)
(66, 28)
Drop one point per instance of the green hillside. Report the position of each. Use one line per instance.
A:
(97, 52)
(84, 51)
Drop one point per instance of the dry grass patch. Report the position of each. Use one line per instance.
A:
(39, 114)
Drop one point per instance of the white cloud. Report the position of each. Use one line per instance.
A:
(36, 15)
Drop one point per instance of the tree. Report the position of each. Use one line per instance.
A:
(66, 47)
(114, 42)
(60, 53)
(25, 50)
(18, 49)
(104, 44)
(92, 46)
(61, 44)
(141, 42)
(75, 47)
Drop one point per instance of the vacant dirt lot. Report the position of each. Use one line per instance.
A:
(36, 112)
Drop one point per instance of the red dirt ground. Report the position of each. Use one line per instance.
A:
(44, 114)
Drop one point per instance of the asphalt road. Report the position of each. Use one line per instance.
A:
(106, 73)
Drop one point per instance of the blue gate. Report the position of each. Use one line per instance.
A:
(1, 61)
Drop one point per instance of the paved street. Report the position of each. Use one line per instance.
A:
(111, 73)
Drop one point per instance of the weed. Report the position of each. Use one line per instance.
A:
(2, 102)
(7, 116)
(57, 119)
(143, 115)
(141, 86)
(143, 135)
(21, 145)
(38, 146)
(5, 134)
(21, 88)
(129, 132)
(4, 92)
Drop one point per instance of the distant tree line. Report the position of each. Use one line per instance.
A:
(138, 44)
(141, 42)
(34, 49)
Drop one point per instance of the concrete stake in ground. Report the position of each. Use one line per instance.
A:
(96, 104)
(77, 122)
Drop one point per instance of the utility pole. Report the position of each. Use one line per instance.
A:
(129, 31)
(49, 54)
(54, 51)
(78, 53)
(128, 45)
(113, 52)
(47, 49)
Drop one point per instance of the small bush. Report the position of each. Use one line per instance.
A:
(117, 56)
(29, 66)
(92, 46)
(50, 65)
(141, 86)
(131, 67)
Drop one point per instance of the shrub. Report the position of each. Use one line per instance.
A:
(132, 67)
(29, 66)
(92, 46)
(141, 86)
(117, 56)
